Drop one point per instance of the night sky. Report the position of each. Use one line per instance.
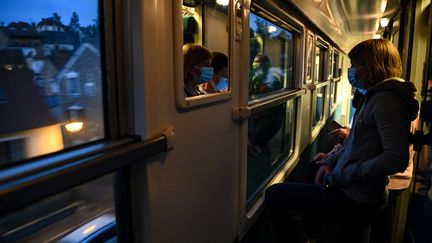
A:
(34, 10)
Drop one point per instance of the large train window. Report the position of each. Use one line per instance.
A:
(53, 64)
(272, 98)
(51, 80)
(271, 59)
(270, 142)
(205, 52)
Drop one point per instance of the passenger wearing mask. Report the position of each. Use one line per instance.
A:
(262, 80)
(351, 183)
(197, 69)
(219, 82)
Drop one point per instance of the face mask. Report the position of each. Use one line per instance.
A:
(353, 80)
(362, 91)
(206, 75)
(222, 84)
(255, 66)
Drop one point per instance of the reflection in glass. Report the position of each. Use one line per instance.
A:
(205, 49)
(54, 61)
(318, 105)
(61, 217)
(270, 141)
(271, 57)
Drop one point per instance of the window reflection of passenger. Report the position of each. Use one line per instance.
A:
(262, 80)
(197, 69)
(219, 82)
(265, 125)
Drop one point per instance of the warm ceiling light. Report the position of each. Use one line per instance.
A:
(384, 22)
(222, 2)
(376, 36)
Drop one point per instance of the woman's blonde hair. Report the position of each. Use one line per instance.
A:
(381, 58)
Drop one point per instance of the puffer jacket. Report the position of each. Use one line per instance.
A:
(378, 143)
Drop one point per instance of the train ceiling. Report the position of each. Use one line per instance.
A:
(348, 22)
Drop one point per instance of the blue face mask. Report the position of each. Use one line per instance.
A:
(206, 75)
(222, 85)
(353, 80)
(362, 91)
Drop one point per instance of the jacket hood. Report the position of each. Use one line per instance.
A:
(404, 89)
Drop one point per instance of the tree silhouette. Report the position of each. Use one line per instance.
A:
(74, 24)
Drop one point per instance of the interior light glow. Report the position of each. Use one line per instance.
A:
(89, 229)
(383, 5)
(222, 2)
(384, 22)
(376, 36)
(74, 126)
(271, 29)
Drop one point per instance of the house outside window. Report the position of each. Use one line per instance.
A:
(73, 84)
(90, 89)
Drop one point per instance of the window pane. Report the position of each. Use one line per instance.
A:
(319, 63)
(271, 139)
(205, 49)
(336, 65)
(319, 99)
(49, 54)
(309, 57)
(82, 212)
(271, 60)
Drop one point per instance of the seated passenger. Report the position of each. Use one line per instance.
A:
(219, 82)
(197, 69)
(262, 80)
(351, 183)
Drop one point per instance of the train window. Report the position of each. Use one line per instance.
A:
(309, 51)
(271, 140)
(205, 51)
(48, 54)
(336, 65)
(271, 61)
(320, 53)
(319, 99)
(79, 214)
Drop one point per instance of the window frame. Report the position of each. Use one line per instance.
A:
(200, 100)
(272, 99)
(27, 181)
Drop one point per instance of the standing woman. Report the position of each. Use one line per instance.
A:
(351, 185)
(197, 69)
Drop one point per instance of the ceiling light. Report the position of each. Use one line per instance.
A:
(222, 2)
(384, 22)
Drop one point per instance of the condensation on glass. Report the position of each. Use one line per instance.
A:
(84, 212)
(271, 135)
(50, 72)
(205, 47)
(271, 60)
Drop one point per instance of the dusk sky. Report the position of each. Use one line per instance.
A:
(34, 10)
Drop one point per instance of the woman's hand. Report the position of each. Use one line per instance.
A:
(322, 171)
(339, 134)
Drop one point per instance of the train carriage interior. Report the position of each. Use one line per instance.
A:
(166, 121)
